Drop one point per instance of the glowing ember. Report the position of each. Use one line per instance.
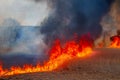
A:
(115, 42)
(58, 55)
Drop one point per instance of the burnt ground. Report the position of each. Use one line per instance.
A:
(103, 64)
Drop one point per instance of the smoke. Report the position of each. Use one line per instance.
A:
(21, 39)
(26, 12)
(75, 16)
(17, 41)
(115, 13)
(67, 17)
(110, 23)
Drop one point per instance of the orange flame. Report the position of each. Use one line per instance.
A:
(58, 55)
(115, 42)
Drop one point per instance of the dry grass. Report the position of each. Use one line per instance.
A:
(104, 64)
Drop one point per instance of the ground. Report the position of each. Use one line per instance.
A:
(103, 64)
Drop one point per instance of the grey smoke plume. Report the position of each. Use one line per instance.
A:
(20, 44)
(110, 24)
(24, 39)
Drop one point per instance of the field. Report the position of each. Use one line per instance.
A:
(103, 64)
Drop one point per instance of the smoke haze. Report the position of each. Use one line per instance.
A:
(27, 12)
(44, 21)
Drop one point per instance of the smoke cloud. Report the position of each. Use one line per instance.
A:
(110, 24)
(66, 18)
(75, 16)
(26, 12)
(20, 44)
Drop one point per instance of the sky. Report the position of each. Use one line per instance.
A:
(26, 12)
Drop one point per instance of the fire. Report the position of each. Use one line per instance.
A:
(58, 55)
(115, 42)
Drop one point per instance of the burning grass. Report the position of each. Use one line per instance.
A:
(115, 42)
(103, 64)
(58, 55)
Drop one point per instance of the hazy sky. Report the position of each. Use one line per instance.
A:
(27, 12)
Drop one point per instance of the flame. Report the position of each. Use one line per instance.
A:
(115, 42)
(58, 55)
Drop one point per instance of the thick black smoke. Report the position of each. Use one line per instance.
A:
(75, 16)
